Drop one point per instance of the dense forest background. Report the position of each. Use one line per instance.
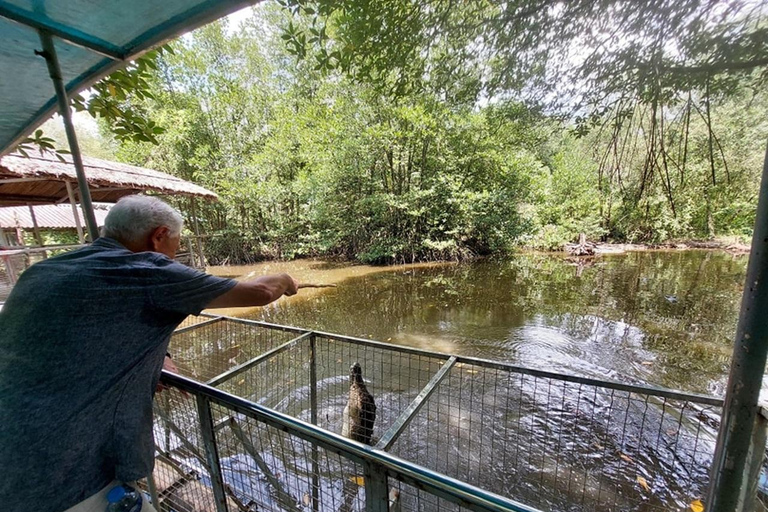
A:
(311, 159)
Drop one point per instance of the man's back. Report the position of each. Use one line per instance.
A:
(82, 339)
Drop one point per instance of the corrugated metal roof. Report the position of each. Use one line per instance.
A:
(49, 216)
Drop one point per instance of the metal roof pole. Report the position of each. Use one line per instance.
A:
(728, 487)
(49, 53)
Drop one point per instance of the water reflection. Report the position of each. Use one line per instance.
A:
(664, 318)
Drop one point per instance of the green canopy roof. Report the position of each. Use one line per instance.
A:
(91, 37)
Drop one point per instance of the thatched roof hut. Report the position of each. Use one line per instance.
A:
(42, 179)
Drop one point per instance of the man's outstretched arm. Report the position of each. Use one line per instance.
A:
(257, 292)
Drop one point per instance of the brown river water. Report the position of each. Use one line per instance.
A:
(664, 318)
(659, 318)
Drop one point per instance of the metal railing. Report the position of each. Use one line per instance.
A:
(14, 261)
(253, 423)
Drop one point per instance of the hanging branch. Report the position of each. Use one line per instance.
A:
(685, 147)
(714, 138)
(664, 162)
(708, 121)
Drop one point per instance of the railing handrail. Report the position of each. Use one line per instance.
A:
(619, 386)
(438, 484)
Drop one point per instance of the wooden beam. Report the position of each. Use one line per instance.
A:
(7, 181)
(23, 200)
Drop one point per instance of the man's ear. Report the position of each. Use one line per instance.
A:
(158, 236)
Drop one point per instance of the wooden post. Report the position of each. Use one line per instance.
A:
(35, 228)
(75, 214)
(10, 270)
(191, 251)
(196, 228)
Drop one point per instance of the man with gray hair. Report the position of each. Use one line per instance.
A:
(83, 338)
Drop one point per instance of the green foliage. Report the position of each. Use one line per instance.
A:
(309, 161)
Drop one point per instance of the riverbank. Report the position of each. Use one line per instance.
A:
(731, 245)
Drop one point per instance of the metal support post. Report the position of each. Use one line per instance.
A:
(376, 488)
(211, 452)
(153, 491)
(755, 461)
(49, 53)
(313, 417)
(728, 488)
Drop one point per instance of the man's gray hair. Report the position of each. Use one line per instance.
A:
(135, 217)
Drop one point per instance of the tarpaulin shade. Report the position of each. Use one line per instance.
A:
(91, 38)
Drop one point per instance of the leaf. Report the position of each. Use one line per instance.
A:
(358, 480)
(626, 457)
(643, 483)
(697, 506)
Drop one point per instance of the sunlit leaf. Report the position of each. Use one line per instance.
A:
(697, 506)
(643, 483)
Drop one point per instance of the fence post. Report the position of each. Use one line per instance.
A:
(376, 488)
(755, 460)
(211, 452)
(313, 416)
(153, 491)
(727, 487)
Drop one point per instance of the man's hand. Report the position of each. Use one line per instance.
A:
(292, 287)
(256, 292)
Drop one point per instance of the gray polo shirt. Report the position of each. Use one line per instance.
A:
(82, 341)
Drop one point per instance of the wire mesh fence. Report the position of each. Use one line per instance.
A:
(563, 445)
(211, 346)
(552, 442)
(182, 475)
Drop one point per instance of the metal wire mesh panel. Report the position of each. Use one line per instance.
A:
(181, 470)
(211, 349)
(406, 498)
(563, 445)
(281, 382)
(193, 320)
(392, 377)
(11, 267)
(551, 442)
(264, 468)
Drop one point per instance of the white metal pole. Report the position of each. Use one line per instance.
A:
(49, 53)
